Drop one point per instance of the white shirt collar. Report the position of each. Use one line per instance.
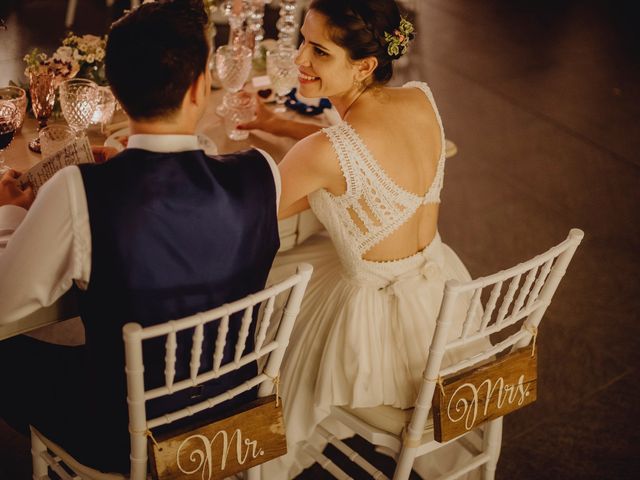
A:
(163, 143)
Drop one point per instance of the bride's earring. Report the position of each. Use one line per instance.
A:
(358, 85)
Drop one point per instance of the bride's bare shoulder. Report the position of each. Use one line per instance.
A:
(316, 151)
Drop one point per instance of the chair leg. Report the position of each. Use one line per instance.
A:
(405, 464)
(492, 443)
(40, 468)
(71, 13)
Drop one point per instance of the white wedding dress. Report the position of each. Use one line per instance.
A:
(363, 332)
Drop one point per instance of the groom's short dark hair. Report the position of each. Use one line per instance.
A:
(154, 54)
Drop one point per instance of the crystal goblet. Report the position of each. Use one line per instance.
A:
(233, 64)
(18, 97)
(43, 96)
(54, 138)
(283, 72)
(105, 107)
(78, 99)
(8, 124)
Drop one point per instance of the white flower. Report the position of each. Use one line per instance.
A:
(64, 53)
(92, 40)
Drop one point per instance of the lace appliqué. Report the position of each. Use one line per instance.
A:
(373, 205)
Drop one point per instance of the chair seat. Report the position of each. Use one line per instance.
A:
(85, 472)
(387, 418)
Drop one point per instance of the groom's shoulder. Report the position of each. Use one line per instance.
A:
(241, 160)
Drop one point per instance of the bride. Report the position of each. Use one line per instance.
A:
(374, 181)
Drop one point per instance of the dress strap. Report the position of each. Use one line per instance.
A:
(345, 152)
(433, 194)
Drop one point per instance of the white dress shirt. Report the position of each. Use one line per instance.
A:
(43, 252)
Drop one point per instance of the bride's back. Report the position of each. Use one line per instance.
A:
(400, 129)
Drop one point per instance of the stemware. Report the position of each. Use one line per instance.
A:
(287, 24)
(233, 64)
(240, 108)
(78, 100)
(8, 118)
(283, 72)
(255, 23)
(104, 108)
(54, 138)
(18, 97)
(43, 96)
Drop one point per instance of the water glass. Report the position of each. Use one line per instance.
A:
(233, 65)
(78, 99)
(54, 138)
(105, 107)
(240, 107)
(18, 97)
(8, 116)
(283, 72)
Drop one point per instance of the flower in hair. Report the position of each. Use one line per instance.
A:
(398, 41)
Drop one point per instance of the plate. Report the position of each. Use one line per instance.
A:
(205, 143)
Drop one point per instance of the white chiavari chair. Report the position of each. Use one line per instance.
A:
(518, 295)
(46, 454)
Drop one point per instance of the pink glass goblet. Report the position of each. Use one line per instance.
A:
(43, 96)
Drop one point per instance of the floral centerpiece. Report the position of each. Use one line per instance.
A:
(79, 56)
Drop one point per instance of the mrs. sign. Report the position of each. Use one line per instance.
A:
(489, 392)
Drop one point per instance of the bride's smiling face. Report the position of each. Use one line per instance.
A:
(324, 68)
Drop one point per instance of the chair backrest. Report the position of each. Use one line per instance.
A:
(134, 336)
(520, 294)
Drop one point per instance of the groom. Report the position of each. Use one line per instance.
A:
(159, 232)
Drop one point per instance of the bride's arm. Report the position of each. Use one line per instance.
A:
(277, 125)
(307, 167)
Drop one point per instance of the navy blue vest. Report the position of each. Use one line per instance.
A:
(172, 235)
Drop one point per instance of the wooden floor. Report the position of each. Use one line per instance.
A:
(543, 100)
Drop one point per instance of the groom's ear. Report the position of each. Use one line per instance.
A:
(198, 89)
(366, 67)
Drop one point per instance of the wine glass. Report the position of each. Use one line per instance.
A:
(8, 124)
(104, 108)
(78, 99)
(283, 72)
(18, 97)
(43, 96)
(233, 64)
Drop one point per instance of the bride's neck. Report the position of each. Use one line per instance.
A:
(345, 103)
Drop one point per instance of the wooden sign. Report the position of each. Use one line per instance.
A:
(488, 392)
(224, 447)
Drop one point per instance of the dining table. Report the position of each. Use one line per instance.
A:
(292, 230)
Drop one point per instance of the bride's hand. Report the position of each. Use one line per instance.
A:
(265, 120)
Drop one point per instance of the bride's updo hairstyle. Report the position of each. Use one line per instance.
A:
(359, 27)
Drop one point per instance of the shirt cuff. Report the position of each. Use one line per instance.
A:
(276, 175)
(11, 217)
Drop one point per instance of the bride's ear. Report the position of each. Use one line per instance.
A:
(365, 68)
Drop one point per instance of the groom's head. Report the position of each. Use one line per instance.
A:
(155, 55)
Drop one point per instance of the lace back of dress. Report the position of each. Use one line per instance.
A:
(374, 206)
